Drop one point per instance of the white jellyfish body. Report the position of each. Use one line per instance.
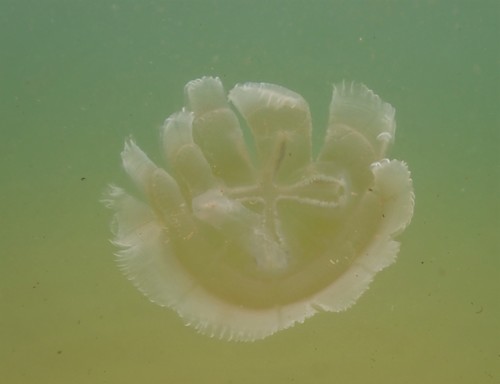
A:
(245, 239)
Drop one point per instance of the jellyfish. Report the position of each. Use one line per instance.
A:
(245, 230)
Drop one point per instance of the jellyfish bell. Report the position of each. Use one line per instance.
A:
(246, 239)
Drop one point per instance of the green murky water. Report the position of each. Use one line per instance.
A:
(77, 77)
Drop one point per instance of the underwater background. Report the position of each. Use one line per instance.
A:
(78, 77)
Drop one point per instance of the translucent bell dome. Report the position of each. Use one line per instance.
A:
(245, 232)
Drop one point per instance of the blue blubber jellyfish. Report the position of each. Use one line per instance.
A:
(245, 231)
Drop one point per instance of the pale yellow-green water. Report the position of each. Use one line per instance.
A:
(77, 77)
